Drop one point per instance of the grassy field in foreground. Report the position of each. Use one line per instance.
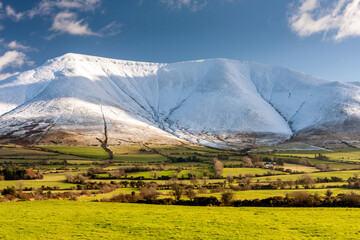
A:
(89, 220)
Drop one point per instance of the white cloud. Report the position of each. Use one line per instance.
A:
(111, 29)
(78, 4)
(193, 5)
(66, 22)
(6, 75)
(46, 7)
(10, 12)
(335, 19)
(64, 18)
(16, 45)
(13, 59)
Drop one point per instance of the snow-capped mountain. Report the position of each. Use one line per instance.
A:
(72, 99)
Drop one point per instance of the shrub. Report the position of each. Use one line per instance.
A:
(149, 193)
(235, 187)
(302, 198)
(350, 200)
(227, 197)
(17, 173)
(218, 189)
(206, 201)
(8, 191)
(328, 193)
(202, 190)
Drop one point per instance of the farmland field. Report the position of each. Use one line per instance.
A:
(262, 194)
(341, 155)
(300, 168)
(87, 176)
(91, 152)
(89, 220)
(245, 171)
(341, 174)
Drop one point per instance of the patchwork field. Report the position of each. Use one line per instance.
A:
(178, 173)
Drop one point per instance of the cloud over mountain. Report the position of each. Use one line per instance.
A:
(335, 19)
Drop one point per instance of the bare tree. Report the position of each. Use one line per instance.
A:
(306, 181)
(177, 191)
(190, 193)
(69, 177)
(247, 162)
(149, 193)
(218, 167)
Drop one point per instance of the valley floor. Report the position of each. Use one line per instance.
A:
(138, 172)
(95, 220)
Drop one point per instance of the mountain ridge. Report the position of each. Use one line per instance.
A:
(215, 102)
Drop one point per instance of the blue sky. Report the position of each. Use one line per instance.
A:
(319, 37)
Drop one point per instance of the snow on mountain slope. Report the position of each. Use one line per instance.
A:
(306, 101)
(74, 93)
(215, 99)
(217, 102)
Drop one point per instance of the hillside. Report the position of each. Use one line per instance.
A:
(74, 99)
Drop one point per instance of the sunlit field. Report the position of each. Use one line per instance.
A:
(89, 220)
(77, 187)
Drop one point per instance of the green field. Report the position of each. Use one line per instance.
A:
(300, 168)
(142, 158)
(333, 164)
(51, 180)
(195, 172)
(341, 174)
(341, 155)
(150, 174)
(89, 220)
(194, 168)
(90, 152)
(262, 194)
(293, 147)
(135, 155)
(246, 171)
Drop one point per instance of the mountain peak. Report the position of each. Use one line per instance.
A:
(216, 102)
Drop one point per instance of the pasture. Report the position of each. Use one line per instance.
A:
(156, 169)
(339, 155)
(160, 163)
(92, 220)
